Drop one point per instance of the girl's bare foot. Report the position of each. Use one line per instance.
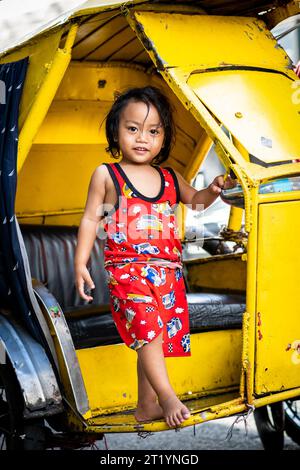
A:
(148, 412)
(175, 412)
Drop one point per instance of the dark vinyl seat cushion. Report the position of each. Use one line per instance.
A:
(51, 251)
(208, 312)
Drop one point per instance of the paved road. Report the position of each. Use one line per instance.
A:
(206, 436)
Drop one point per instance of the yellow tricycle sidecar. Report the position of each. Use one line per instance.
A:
(230, 84)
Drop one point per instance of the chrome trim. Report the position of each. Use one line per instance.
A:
(38, 313)
(72, 379)
(233, 196)
(33, 370)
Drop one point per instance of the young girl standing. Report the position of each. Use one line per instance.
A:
(143, 254)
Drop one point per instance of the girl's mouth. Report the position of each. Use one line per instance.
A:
(140, 149)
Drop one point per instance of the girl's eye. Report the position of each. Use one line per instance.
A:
(154, 131)
(132, 128)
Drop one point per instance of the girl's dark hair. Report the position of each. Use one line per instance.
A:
(148, 95)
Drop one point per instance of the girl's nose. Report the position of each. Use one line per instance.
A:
(141, 136)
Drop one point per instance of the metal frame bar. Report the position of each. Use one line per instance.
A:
(44, 97)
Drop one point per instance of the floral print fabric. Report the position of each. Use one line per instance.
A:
(143, 260)
(147, 300)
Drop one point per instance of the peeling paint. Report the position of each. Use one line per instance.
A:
(258, 26)
(259, 322)
(138, 426)
(249, 35)
(295, 346)
(145, 40)
(259, 319)
(55, 312)
(149, 46)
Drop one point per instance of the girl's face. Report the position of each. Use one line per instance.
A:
(141, 134)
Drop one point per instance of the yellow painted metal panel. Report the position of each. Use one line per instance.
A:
(52, 185)
(31, 220)
(251, 104)
(277, 358)
(268, 10)
(96, 81)
(158, 33)
(72, 135)
(235, 218)
(202, 409)
(217, 272)
(44, 96)
(215, 364)
(211, 41)
(276, 197)
(41, 54)
(66, 220)
(74, 122)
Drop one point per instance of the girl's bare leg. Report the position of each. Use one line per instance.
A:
(152, 361)
(147, 406)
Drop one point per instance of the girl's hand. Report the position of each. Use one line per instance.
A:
(218, 184)
(83, 276)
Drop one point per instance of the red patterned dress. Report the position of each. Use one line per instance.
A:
(143, 260)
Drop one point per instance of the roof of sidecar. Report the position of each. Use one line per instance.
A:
(92, 7)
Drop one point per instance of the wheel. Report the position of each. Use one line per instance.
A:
(292, 419)
(270, 425)
(15, 432)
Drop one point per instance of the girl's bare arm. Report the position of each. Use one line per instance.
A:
(189, 195)
(88, 229)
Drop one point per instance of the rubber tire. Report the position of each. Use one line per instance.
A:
(32, 430)
(271, 435)
(292, 428)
